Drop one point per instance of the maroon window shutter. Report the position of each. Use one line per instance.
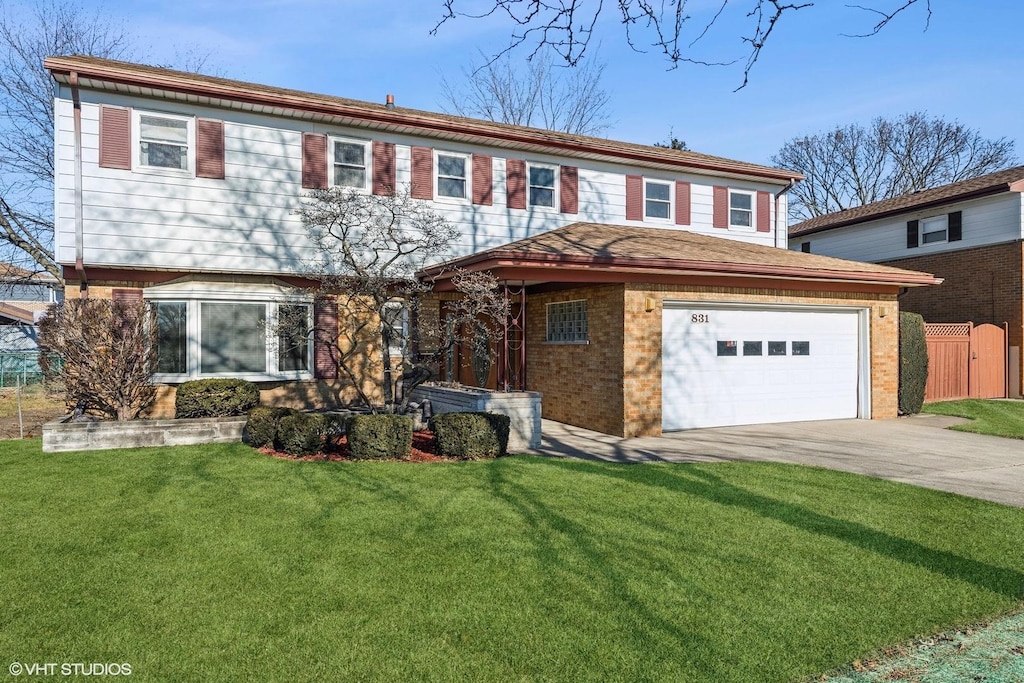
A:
(422, 173)
(634, 198)
(383, 167)
(325, 322)
(209, 148)
(483, 182)
(764, 212)
(720, 214)
(568, 191)
(515, 183)
(126, 295)
(682, 202)
(314, 161)
(115, 137)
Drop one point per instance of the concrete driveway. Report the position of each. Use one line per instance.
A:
(916, 450)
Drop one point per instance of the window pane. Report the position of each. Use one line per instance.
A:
(727, 348)
(233, 337)
(164, 155)
(802, 348)
(657, 209)
(396, 317)
(172, 336)
(292, 338)
(540, 196)
(349, 153)
(451, 166)
(740, 201)
(752, 348)
(741, 218)
(163, 130)
(776, 348)
(349, 177)
(658, 191)
(451, 187)
(931, 237)
(542, 176)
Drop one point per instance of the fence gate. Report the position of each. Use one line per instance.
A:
(965, 361)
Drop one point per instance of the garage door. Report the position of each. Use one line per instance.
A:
(735, 366)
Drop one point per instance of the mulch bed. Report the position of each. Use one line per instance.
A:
(424, 449)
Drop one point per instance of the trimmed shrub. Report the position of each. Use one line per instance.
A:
(215, 398)
(261, 429)
(379, 437)
(471, 435)
(301, 433)
(913, 363)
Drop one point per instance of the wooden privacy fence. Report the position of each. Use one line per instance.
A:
(965, 361)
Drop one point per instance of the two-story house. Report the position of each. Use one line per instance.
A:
(969, 233)
(653, 287)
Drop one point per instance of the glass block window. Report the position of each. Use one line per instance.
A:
(542, 186)
(567, 321)
(163, 142)
(350, 164)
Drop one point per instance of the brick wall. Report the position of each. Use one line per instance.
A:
(582, 384)
(982, 285)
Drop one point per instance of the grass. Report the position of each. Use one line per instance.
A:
(217, 563)
(996, 418)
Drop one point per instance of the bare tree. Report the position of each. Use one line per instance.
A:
(102, 354)
(536, 93)
(567, 26)
(854, 165)
(369, 251)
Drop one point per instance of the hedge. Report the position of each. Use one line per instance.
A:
(261, 429)
(301, 433)
(913, 363)
(215, 398)
(471, 435)
(379, 437)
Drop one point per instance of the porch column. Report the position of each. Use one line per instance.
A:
(512, 360)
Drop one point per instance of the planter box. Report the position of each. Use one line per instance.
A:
(522, 407)
(63, 435)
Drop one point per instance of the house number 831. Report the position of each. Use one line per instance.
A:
(700, 318)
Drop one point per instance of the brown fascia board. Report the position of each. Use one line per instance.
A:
(17, 313)
(935, 203)
(548, 262)
(410, 119)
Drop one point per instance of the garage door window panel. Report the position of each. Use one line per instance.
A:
(727, 348)
(801, 348)
(753, 348)
(777, 348)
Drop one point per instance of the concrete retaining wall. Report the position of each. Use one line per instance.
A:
(522, 407)
(61, 435)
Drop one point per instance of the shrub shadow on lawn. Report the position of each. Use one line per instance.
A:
(694, 481)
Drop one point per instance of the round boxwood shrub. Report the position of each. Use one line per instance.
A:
(301, 433)
(261, 429)
(379, 437)
(471, 435)
(215, 398)
(913, 363)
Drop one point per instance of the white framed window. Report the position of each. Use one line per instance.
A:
(248, 335)
(350, 162)
(396, 316)
(567, 322)
(741, 209)
(542, 185)
(657, 200)
(934, 230)
(451, 177)
(163, 143)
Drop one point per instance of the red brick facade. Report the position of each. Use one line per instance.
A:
(981, 285)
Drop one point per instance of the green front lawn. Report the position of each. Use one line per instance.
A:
(998, 418)
(216, 563)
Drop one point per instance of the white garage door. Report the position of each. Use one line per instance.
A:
(751, 366)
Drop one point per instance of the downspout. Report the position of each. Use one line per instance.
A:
(778, 216)
(83, 281)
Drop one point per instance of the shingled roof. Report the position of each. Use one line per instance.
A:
(623, 249)
(1008, 180)
(150, 81)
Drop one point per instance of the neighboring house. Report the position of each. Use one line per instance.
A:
(970, 234)
(24, 298)
(653, 285)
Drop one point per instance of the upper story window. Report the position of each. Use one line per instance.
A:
(741, 209)
(164, 141)
(542, 185)
(452, 179)
(567, 321)
(350, 163)
(657, 200)
(933, 230)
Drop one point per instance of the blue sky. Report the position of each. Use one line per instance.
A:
(810, 77)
